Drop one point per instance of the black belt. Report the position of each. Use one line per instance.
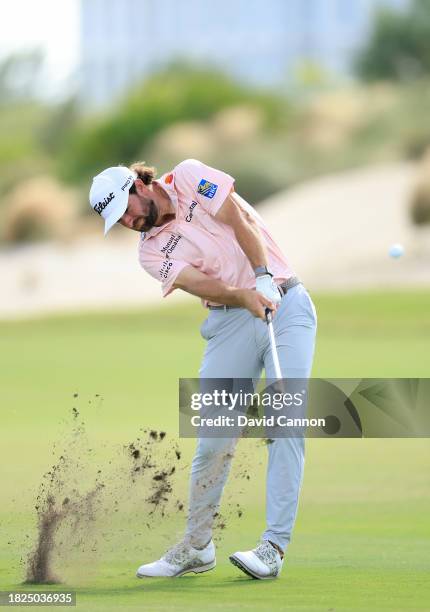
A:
(283, 288)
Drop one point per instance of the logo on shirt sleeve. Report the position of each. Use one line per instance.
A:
(207, 188)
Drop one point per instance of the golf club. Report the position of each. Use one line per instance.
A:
(269, 321)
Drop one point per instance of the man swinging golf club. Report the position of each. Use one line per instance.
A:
(199, 235)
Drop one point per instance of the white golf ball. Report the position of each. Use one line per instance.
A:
(396, 251)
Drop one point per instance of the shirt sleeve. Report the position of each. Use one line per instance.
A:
(163, 269)
(209, 186)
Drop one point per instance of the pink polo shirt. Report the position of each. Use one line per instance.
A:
(196, 238)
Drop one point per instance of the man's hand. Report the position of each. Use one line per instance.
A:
(256, 302)
(267, 286)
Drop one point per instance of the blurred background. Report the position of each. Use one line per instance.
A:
(318, 108)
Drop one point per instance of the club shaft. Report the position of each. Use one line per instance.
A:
(275, 356)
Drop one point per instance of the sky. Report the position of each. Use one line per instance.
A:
(52, 25)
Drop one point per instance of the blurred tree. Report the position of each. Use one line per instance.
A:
(38, 209)
(19, 76)
(22, 116)
(419, 208)
(60, 124)
(177, 94)
(399, 47)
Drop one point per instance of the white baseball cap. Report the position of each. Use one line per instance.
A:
(109, 193)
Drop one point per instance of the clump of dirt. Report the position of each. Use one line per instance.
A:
(60, 505)
(51, 516)
(149, 461)
(79, 497)
(39, 568)
(161, 490)
(155, 470)
(219, 520)
(75, 492)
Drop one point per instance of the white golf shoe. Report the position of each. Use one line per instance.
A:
(263, 562)
(179, 560)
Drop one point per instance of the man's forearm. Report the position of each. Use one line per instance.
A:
(202, 286)
(197, 283)
(250, 241)
(245, 228)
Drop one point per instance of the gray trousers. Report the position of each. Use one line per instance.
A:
(238, 346)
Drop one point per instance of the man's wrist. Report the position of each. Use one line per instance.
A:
(238, 297)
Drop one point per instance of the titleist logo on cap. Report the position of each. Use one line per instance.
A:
(100, 206)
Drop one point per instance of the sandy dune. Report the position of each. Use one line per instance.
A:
(337, 230)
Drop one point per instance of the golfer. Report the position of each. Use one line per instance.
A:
(197, 234)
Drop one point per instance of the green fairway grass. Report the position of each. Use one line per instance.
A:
(362, 537)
